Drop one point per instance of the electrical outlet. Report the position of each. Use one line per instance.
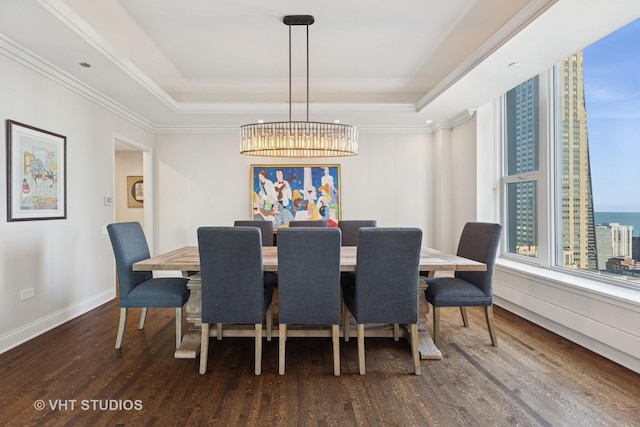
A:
(27, 293)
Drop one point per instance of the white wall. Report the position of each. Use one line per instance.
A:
(203, 180)
(69, 263)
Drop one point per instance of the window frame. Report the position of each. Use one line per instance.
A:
(540, 177)
(549, 185)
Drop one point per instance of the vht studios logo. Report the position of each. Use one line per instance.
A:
(89, 405)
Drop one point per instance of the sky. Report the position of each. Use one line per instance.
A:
(612, 98)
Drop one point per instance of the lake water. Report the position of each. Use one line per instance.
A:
(622, 218)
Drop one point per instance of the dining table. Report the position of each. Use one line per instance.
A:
(187, 260)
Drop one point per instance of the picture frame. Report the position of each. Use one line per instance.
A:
(286, 192)
(135, 192)
(36, 173)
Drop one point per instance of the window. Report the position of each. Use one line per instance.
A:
(522, 168)
(591, 114)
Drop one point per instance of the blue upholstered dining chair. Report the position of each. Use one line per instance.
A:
(318, 223)
(266, 227)
(233, 289)
(350, 228)
(139, 288)
(385, 286)
(479, 241)
(309, 283)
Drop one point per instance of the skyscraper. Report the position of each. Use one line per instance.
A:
(522, 156)
(578, 231)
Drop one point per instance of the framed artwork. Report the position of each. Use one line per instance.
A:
(135, 192)
(36, 173)
(284, 193)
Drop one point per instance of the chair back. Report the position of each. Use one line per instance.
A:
(232, 275)
(479, 241)
(129, 246)
(266, 227)
(387, 275)
(351, 227)
(318, 223)
(309, 275)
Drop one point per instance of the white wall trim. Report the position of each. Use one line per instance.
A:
(38, 327)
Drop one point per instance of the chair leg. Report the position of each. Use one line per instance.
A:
(396, 332)
(178, 326)
(219, 331)
(361, 348)
(269, 322)
(282, 340)
(204, 348)
(488, 314)
(414, 349)
(121, 325)
(258, 348)
(346, 324)
(465, 319)
(436, 325)
(143, 316)
(335, 336)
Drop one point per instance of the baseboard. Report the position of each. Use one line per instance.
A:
(31, 330)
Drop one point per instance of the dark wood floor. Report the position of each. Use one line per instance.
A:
(533, 378)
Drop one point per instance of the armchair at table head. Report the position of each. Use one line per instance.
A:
(351, 227)
(266, 227)
(233, 289)
(309, 283)
(385, 286)
(479, 241)
(139, 288)
(318, 223)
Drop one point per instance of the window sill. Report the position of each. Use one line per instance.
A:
(565, 280)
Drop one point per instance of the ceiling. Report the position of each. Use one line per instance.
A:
(207, 65)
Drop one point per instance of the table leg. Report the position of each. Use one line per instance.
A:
(190, 346)
(427, 348)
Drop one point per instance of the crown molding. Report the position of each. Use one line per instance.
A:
(47, 70)
(71, 19)
(220, 129)
(523, 18)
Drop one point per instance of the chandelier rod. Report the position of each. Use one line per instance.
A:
(289, 76)
(307, 71)
(307, 22)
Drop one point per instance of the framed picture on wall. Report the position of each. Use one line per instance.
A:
(36, 173)
(284, 193)
(135, 192)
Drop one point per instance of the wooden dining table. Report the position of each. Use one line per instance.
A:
(187, 260)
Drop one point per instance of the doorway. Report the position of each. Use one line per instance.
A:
(133, 185)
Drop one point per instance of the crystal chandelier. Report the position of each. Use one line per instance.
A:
(298, 138)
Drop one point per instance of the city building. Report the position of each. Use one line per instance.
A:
(604, 242)
(578, 232)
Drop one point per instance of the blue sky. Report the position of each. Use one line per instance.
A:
(612, 91)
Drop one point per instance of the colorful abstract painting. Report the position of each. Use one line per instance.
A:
(284, 193)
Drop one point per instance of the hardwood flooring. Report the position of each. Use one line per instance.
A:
(532, 378)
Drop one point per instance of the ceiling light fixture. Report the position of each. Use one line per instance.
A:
(298, 138)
